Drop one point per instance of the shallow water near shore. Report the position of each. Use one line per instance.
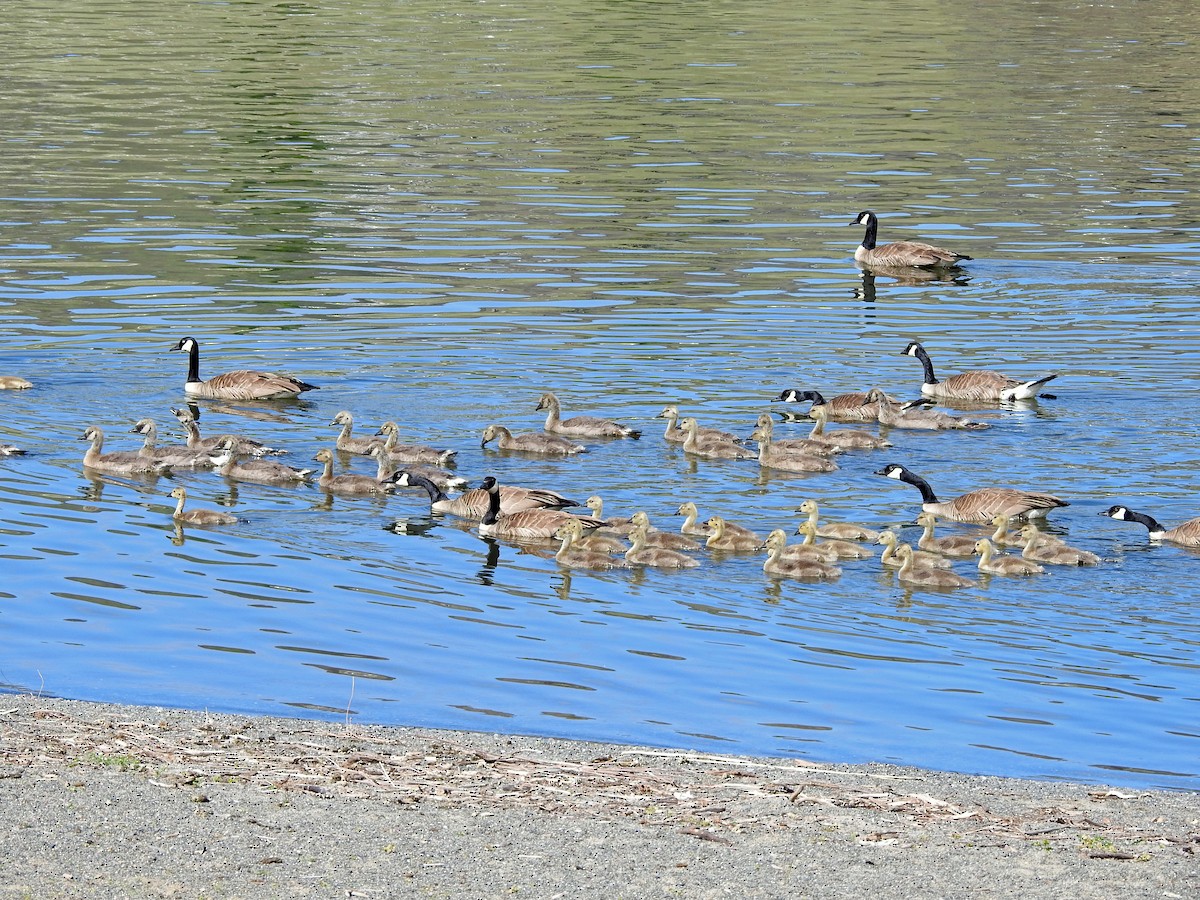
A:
(439, 219)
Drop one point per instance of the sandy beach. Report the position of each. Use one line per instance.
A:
(106, 801)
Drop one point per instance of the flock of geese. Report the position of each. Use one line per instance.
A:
(596, 541)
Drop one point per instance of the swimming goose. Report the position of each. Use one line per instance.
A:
(954, 545)
(843, 549)
(978, 385)
(846, 438)
(979, 506)
(666, 539)
(346, 442)
(543, 444)
(891, 548)
(241, 444)
(709, 447)
(617, 524)
(1002, 537)
(473, 504)
(691, 526)
(14, 383)
(347, 483)
(721, 538)
(232, 463)
(175, 457)
(1187, 534)
(574, 555)
(913, 254)
(581, 426)
(677, 435)
(443, 478)
(418, 453)
(766, 425)
(913, 415)
(780, 564)
(10, 450)
(199, 516)
(852, 407)
(771, 456)
(242, 384)
(640, 554)
(528, 524)
(1004, 564)
(1056, 554)
(843, 530)
(122, 462)
(920, 576)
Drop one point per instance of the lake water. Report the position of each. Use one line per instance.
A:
(436, 213)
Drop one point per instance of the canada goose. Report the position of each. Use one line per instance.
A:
(845, 531)
(677, 435)
(14, 383)
(386, 467)
(787, 459)
(346, 442)
(241, 444)
(846, 438)
(419, 453)
(709, 447)
(852, 407)
(804, 550)
(231, 463)
(979, 506)
(691, 526)
(528, 524)
(544, 444)
(778, 563)
(842, 549)
(574, 555)
(721, 538)
(199, 516)
(347, 483)
(1004, 564)
(581, 426)
(954, 545)
(242, 384)
(891, 549)
(766, 425)
(1056, 554)
(1002, 537)
(1187, 534)
(920, 576)
(978, 385)
(640, 554)
(913, 254)
(666, 539)
(175, 457)
(473, 504)
(122, 462)
(618, 524)
(913, 415)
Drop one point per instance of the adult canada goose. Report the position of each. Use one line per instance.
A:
(242, 384)
(922, 576)
(852, 407)
(122, 462)
(418, 453)
(978, 385)
(346, 441)
(954, 545)
(913, 415)
(912, 254)
(347, 483)
(846, 438)
(691, 526)
(979, 506)
(891, 548)
(787, 459)
(711, 448)
(14, 383)
(232, 463)
(574, 555)
(779, 564)
(198, 516)
(766, 425)
(443, 478)
(473, 504)
(1187, 534)
(640, 554)
(1056, 554)
(528, 524)
(843, 549)
(666, 539)
(581, 426)
(175, 457)
(845, 531)
(677, 435)
(721, 538)
(543, 444)
(1003, 564)
(241, 444)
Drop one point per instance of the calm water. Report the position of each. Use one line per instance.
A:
(437, 213)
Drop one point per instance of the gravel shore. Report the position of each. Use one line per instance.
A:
(104, 801)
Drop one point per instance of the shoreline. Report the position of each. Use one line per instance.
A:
(101, 800)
